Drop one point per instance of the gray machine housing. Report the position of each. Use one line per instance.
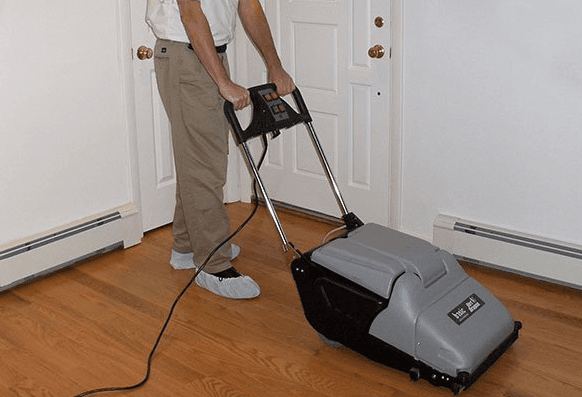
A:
(432, 311)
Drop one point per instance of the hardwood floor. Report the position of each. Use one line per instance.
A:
(92, 325)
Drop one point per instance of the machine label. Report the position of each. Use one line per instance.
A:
(462, 312)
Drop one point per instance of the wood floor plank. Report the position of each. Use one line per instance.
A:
(93, 325)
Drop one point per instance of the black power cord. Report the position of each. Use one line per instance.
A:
(181, 294)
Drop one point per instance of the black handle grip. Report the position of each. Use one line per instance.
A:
(270, 113)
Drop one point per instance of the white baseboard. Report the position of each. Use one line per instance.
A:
(522, 253)
(37, 255)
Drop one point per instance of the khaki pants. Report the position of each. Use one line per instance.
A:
(200, 142)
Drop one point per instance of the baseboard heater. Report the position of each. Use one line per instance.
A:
(38, 255)
(518, 252)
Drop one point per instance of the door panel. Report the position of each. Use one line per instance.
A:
(324, 45)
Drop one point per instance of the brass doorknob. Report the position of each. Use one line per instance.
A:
(376, 52)
(144, 52)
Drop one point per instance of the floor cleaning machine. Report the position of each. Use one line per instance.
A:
(391, 297)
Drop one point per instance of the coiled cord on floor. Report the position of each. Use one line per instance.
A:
(181, 294)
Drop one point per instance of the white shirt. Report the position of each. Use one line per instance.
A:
(163, 16)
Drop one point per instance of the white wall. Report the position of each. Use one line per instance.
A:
(492, 115)
(64, 135)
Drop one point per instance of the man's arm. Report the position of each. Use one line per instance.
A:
(200, 37)
(254, 20)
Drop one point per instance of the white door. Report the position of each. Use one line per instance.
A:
(156, 162)
(325, 46)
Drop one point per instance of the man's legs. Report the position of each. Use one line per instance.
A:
(200, 142)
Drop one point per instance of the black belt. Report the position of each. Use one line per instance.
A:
(221, 49)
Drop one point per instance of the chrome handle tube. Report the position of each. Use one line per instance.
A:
(327, 169)
(268, 201)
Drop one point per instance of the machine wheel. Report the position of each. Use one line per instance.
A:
(463, 379)
(329, 342)
(456, 388)
(414, 374)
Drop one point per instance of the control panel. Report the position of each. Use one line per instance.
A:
(275, 104)
(270, 113)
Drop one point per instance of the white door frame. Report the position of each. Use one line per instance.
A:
(242, 74)
(396, 106)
